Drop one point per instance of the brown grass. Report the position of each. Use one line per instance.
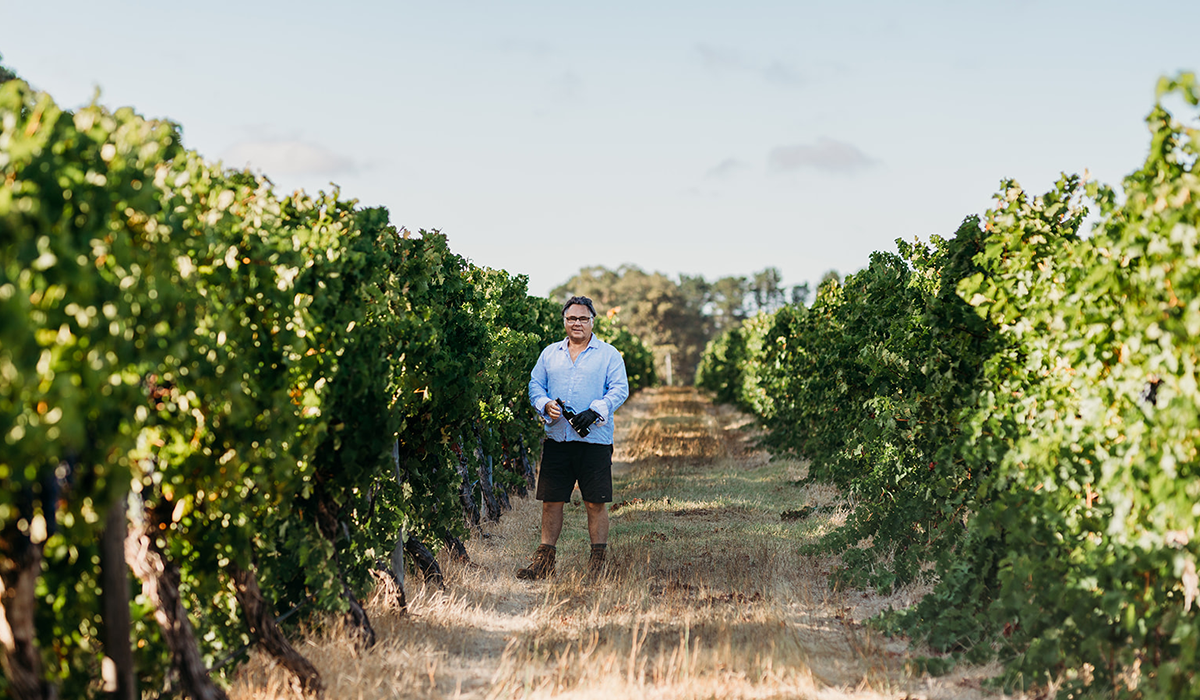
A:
(706, 595)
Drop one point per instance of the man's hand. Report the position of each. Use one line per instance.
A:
(582, 422)
(553, 410)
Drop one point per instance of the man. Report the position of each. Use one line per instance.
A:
(576, 386)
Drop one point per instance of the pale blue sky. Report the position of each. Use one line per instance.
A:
(707, 138)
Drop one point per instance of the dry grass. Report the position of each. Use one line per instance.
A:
(705, 595)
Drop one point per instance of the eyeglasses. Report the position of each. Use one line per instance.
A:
(577, 319)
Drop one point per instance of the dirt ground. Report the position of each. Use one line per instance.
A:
(705, 594)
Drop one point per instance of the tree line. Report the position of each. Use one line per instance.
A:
(678, 317)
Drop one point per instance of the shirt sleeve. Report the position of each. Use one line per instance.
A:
(616, 388)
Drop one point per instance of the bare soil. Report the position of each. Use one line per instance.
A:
(705, 594)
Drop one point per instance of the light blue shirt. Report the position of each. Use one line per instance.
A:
(595, 380)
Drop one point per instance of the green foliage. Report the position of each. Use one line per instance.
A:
(866, 384)
(1019, 406)
(282, 383)
(6, 74)
(760, 366)
(86, 293)
(89, 302)
(721, 367)
(520, 326)
(1092, 409)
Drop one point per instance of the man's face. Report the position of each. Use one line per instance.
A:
(577, 330)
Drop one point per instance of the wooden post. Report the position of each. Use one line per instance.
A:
(398, 550)
(20, 567)
(485, 479)
(121, 684)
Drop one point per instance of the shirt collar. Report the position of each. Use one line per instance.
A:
(593, 342)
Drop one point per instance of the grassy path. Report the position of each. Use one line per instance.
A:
(705, 596)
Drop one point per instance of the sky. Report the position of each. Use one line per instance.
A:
(699, 138)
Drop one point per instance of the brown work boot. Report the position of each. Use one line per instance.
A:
(542, 565)
(595, 565)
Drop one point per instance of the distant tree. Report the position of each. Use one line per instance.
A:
(598, 283)
(696, 291)
(830, 276)
(654, 307)
(800, 294)
(678, 318)
(766, 286)
(6, 74)
(727, 302)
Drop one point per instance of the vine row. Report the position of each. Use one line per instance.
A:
(252, 401)
(1013, 413)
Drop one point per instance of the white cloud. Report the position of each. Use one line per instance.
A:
(287, 157)
(529, 48)
(566, 87)
(719, 59)
(826, 154)
(726, 168)
(782, 74)
(702, 193)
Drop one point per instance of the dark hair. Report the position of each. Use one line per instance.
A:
(582, 301)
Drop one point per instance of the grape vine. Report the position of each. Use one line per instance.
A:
(1014, 412)
(285, 394)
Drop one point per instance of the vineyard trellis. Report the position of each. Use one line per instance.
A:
(1014, 414)
(251, 400)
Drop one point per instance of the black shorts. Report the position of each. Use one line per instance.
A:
(564, 463)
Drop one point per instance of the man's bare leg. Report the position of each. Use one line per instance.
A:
(597, 522)
(552, 521)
